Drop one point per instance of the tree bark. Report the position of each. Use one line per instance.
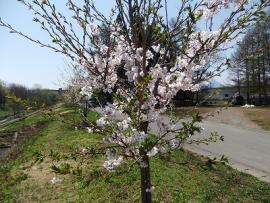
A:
(197, 97)
(259, 84)
(247, 83)
(238, 82)
(85, 112)
(264, 83)
(146, 194)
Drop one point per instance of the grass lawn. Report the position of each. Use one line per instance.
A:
(260, 115)
(183, 178)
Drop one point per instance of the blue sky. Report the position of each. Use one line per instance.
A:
(26, 63)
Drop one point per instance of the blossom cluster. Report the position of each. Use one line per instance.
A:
(213, 7)
(150, 84)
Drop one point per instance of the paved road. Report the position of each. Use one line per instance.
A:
(248, 149)
(245, 145)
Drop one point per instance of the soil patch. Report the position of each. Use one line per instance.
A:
(11, 142)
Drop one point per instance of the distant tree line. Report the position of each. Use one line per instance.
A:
(2, 95)
(251, 67)
(34, 98)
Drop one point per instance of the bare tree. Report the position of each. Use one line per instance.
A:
(251, 58)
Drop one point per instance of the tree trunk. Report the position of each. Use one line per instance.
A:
(238, 82)
(253, 67)
(264, 83)
(197, 93)
(146, 195)
(85, 109)
(85, 113)
(247, 83)
(259, 85)
(197, 97)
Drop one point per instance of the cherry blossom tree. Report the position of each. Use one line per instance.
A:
(136, 56)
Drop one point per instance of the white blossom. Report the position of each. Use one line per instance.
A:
(149, 54)
(150, 189)
(55, 180)
(175, 143)
(87, 91)
(111, 164)
(152, 152)
(123, 125)
(84, 150)
(101, 121)
(93, 29)
(110, 109)
(162, 85)
(156, 48)
(248, 106)
(89, 129)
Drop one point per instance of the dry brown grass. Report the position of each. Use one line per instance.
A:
(183, 112)
(260, 115)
